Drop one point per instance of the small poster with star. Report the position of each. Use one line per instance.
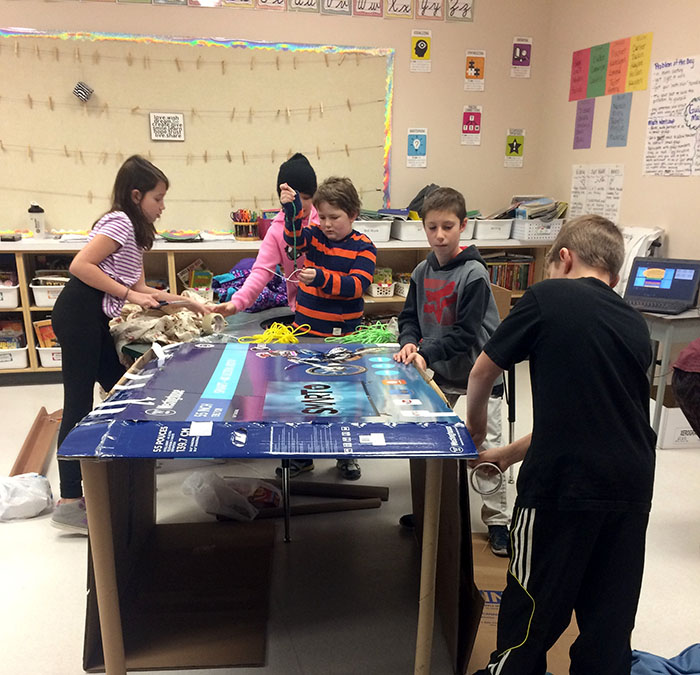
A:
(515, 144)
(417, 153)
(475, 63)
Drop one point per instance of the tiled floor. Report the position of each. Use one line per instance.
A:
(344, 592)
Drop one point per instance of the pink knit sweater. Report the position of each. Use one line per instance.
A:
(272, 253)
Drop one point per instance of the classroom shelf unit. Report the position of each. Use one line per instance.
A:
(166, 258)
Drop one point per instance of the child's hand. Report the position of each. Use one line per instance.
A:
(287, 194)
(307, 275)
(143, 300)
(404, 352)
(226, 309)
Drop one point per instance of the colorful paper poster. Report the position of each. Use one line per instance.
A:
(245, 4)
(417, 153)
(618, 60)
(169, 2)
(597, 70)
(368, 8)
(432, 10)
(420, 51)
(278, 5)
(579, 74)
(471, 125)
(399, 9)
(522, 57)
(619, 120)
(596, 189)
(583, 128)
(474, 70)
(336, 7)
(640, 58)
(515, 146)
(141, 2)
(459, 10)
(673, 126)
(204, 3)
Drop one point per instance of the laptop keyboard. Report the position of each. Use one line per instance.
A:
(658, 306)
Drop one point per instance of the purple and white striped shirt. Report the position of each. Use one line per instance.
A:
(126, 263)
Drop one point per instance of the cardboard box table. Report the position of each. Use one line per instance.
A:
(206, 400)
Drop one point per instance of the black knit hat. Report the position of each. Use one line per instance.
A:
(298, 174)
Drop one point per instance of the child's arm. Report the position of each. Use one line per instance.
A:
(505, 456)
(140, 288)
(470, 315)
(409, 330)
(481, 379)
(346, 285)
(295, 234)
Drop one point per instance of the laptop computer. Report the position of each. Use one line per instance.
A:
(663, 285)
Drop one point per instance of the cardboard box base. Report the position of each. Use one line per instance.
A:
(190, 594)
(490, 577)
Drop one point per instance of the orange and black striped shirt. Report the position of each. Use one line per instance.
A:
(332, 304)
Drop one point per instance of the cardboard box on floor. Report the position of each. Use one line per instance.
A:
(675, 432)
(490, 577)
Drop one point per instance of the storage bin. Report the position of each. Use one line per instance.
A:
(49, 357)
(45, 296)
(468, 232)
(535, 230)
(9, 297)
(381, 290)
(408, 230)
(376, 230)
(493, 229)
(13, 358)
(401, 289)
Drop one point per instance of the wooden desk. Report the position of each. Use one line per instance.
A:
(667, 330)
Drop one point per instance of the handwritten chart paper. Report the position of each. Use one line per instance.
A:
(399, 9)
(597, 70)
(596, 189)
(303, 6)
(474, 70)
(674, 119)
(619, 120)
(460, 10)
(583, 129)
(433, 10)
(579, 74)
(368, 8)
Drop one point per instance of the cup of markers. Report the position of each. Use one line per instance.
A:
(245, 224)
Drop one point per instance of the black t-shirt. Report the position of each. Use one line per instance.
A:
(592, 447)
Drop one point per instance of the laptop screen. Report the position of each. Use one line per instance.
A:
(664, 278)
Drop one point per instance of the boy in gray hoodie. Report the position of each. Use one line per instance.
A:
(449, 315)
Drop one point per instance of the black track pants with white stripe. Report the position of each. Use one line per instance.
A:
(589, 562)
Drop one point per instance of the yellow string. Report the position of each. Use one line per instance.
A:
(278, 332)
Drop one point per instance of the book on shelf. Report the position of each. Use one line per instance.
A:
(512, 271)
(44, 333)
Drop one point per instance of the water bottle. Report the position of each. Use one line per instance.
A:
(36, 220)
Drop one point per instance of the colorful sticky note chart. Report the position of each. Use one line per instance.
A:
(616, 79)
(640, 58)
(583, 130)
(579, 74)
(597, 69)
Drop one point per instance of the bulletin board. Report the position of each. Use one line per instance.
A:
(218, 116)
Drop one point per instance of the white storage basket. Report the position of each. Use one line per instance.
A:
(376, 230)
(45, 296)
(50, 357)
(9, 297)
(536, 230)
(13, 358)
(381, 290)
(493, 229)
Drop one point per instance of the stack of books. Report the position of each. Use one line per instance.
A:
(510, 270)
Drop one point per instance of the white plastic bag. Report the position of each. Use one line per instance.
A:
(24, 496)
(228, 497)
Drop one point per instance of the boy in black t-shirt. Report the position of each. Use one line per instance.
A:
(585, 485)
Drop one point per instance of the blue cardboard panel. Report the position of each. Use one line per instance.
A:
(240, 400)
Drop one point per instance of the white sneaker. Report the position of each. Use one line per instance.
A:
(71, 516)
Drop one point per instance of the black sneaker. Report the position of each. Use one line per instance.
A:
(499, 540)
(408, 520)
(349, 468)
(297, 466)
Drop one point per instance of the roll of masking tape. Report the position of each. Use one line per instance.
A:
(213, 323)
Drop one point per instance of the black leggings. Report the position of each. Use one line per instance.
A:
(88, 356)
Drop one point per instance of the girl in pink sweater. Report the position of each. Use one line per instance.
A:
(299, 174)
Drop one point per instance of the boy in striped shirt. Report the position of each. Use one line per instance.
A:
(339, 260)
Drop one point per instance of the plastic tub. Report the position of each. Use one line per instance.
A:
(493, 229)
(376, 230)
(408, 230)
(381, 290)
(49, 357)
(9, 297)
(13, 358)
(535, 229)
(468, 232)
(45, 296)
